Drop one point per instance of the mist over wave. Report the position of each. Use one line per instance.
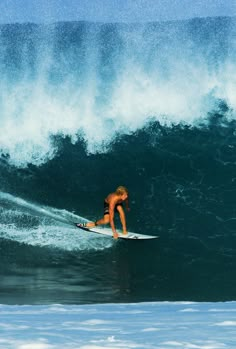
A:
(94, 81)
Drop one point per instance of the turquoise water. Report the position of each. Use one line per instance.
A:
(87, 107)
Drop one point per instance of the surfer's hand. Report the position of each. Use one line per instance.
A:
(115, 235)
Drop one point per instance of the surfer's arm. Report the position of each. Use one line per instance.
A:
(127, 204)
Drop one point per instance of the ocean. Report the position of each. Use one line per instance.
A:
(85, 107)
(164, 325)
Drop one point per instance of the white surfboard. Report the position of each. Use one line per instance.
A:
(108, 232)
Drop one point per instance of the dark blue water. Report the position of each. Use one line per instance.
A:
(87, 107)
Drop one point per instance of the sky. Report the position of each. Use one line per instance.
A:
(46, 11)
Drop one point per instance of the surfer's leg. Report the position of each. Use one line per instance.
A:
(92, 224)
(102, 221)
(85, 225)
(120, 209)
(105, 219)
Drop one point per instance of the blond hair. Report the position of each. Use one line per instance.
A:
(121, 190)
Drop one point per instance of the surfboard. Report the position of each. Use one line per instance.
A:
(108, 232)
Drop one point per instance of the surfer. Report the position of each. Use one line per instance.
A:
(112, 203)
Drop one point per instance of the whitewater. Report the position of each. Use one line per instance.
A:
(95, 81)
(38, 225)
(184, 325)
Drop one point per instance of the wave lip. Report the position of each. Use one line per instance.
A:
(94, 81)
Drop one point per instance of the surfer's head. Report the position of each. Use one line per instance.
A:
(122, 191)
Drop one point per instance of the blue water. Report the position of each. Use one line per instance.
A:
(137, 325)
(86, 107)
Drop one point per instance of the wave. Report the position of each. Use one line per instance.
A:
(86, 107)
(95, 81)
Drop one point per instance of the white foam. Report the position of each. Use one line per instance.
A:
(35, 345)
(189, 345)
(177, 85)
(151, 329)
(26, 135)
(94, 322)
(53, 227)
(114, 326)
(189, 310)
(226, 323)
(24, 344)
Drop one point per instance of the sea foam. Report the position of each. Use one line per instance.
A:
(90, 81)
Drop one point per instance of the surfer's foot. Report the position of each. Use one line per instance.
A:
(86, 225)
(91, 224)
(81, 225)
(125, 232)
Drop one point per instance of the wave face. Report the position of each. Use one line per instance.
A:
(87, 107)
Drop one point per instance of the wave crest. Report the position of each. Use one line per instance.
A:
(94, 81)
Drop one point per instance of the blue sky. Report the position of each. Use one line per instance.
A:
(111, 10)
